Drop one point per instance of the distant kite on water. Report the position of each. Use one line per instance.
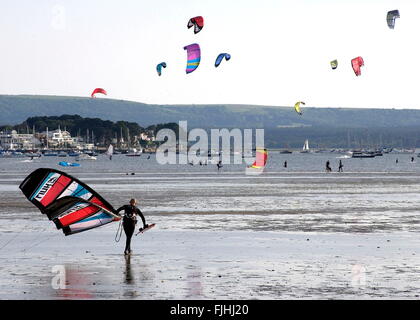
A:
(98, 90)
(297, 107)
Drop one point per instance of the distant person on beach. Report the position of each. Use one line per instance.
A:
(412, 159)
(327, 166)
(396, 161)
(285, 164)
(340, 167)
(130, 221)
(219, 165)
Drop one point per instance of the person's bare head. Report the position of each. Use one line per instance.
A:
(133, 202)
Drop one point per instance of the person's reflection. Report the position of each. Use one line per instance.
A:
(195, 285)
(129, 279)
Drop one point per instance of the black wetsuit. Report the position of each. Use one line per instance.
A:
(327, 167)
(129, 222)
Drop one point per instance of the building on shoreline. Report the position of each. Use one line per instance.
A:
(62, 139)
(58, 139)
(16, 141)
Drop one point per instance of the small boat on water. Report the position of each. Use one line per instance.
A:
(12, 154)
(91, 153)
(74, 153)
(85, 156)
(134, 153)
(358, 154)
(33, 155)
(49, 153)
(305, 148)
(68, 164)
(285, 152)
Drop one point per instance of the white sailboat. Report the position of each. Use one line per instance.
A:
(305, 148)
(110, 151)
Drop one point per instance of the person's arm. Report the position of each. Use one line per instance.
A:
(120, 209)
(140, 214)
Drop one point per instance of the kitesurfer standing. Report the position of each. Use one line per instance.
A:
(130, 221)
(327, 166)
(340, 166)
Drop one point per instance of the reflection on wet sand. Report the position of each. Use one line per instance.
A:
(76, 285)
(129, 279)
(194, 282)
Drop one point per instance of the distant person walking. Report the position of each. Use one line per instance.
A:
(340, 166)
(327, 166)
(219, 165)
(285, 164)
(412, 159)
(396, 161)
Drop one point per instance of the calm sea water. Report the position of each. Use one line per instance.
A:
(297, 162)
(372, 195)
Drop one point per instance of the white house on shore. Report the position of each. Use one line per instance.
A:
(15, 141)
(58, 138)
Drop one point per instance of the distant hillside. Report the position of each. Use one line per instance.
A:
(16, 109)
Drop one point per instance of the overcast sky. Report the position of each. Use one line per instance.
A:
(280, 51)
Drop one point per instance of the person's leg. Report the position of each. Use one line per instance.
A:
(127, 237)
(129, 230)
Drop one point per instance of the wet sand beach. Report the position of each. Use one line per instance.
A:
(298, 234)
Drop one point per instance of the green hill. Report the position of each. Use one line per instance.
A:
(325, 127)
(16, 109)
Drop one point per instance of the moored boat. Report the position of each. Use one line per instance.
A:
(363, 155)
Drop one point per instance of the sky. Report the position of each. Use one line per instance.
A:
(281, 51)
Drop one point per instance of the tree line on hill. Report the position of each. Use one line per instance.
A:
(102, 130)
